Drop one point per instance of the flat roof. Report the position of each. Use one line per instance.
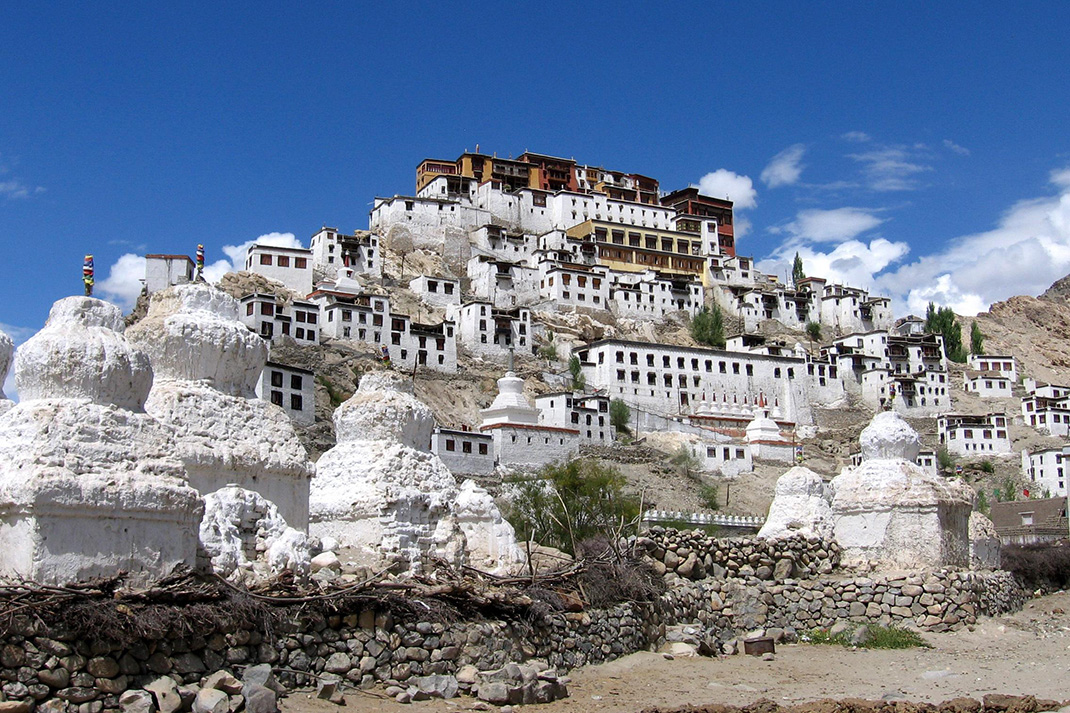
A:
(160, 256)
(277, 365)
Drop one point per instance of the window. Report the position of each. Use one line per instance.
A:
(466, 446)
(450, 445)
(482, 449)
(295, 381)
(267, 308)
(276, 398)
(265, 259)
(276, 378)
(296, 402)
(301, 263)
(284, 260)
(249, 308)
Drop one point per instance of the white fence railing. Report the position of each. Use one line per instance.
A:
(704, 518)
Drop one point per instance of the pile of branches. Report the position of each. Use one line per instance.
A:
(187, 603)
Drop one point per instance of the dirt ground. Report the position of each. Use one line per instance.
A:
(1026, 653)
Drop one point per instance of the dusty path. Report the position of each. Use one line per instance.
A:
(1027, 653)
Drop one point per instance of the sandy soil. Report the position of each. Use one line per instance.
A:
(1027, 653)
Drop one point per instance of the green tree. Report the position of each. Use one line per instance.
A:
(813, 330)
(620, 415)
(977, 340)
(569, 503)
(982, 502)
(707, 327)
(944, 322)
(575, 369)
(797, 270)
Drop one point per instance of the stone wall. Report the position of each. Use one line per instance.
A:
(59, 671)
(695, 555)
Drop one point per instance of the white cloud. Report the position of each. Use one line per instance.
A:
(17, 189)
(235, 261)
(858, 137)
(124, 282)
(1027, 251)
(785, 168)
(952, 146)
(852, 262)
(831, 226)
(726, 184)
(892, 168)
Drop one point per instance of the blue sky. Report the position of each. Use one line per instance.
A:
(919, 149)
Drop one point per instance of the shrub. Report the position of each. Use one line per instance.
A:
(707, 327)
(575, 369)
(548, 352)
(1044, 566)
(709, 495)
(569, 503)
(619, 415)
(945, 459)
(987, 466)
(875, 637)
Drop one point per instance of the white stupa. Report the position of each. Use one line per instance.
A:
(510, 405)
(89, 484)
(207, 364)
(386, 499)
(800, 507)
(7, 353)
(891, 513)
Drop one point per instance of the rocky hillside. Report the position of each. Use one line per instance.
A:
(1036, 330)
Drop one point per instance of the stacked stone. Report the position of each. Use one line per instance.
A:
(59, 672)
(695, 555)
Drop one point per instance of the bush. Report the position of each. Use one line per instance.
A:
(875, 637)
(945, 459)
(575, 369)
(707, 327)
(548, 352)
(569, 504)
(987, 466)
(619, 415)
(1044, 566)
(709, 495)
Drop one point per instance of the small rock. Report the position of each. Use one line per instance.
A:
(164, 691)
(260, 699)
(211, 700)
(136, 701)
(436, 686)
(261, 675)
(14, 707)
(495, 692)
(223, 681)
(326, 560)
(338, 663)
(103, 667)
(329, 688)
(404, 697)
(768, 656)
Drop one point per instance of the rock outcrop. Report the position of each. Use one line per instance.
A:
(381, 493)
(890, 513)
(800, 507)
(207, 364)
(88, 482)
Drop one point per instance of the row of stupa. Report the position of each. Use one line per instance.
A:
(142, 449)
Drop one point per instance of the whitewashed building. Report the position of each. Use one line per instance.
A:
(1046, 470)
(291, 388)
(273, 320)
(290, 266)
(568, 285)
(1005, 366)
(586, 413)
(488, 331)
(972, 435)
(332, 249)
(406, 343)
(505, 284)
(652, 296)
(668, 379)
(987, 384)
(163, 271)
(437, 291)
(907, 372)
(463, 451)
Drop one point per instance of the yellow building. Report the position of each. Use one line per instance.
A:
(632, 249)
